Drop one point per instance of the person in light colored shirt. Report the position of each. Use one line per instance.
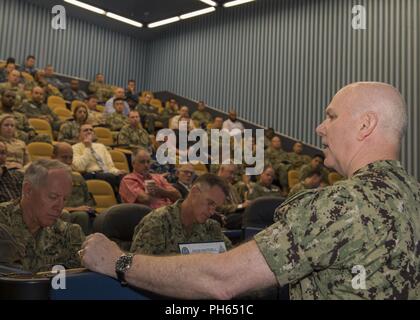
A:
(109, 105)
(146, 188)
(232, 123)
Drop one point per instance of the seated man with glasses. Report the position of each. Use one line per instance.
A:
(163, 230)
(93, 159)
(144, 187)
(185, 174)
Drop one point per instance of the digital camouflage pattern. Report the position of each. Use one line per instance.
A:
(307, 169)
(115, 121)
(298, 160)
(370, 220)
(297, 188)
(69, 132)
(201, 118)
(57, 244)
(101, 90)
(134, 137)
(279, 160)
(20, 94)
(80, 195)
(35, 110)
(161, 231)
(258, 190)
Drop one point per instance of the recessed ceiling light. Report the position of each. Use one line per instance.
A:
(163, 22)
(209, 2)
(235, 3)
(197, 13)
(123, 19)
(85, 6)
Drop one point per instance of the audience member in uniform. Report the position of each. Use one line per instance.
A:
(186, 221)
(73, 92)
(10, 181)
(17, 153)
(79, 206)
(37, 238)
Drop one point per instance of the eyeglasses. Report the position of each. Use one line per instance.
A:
(144, 161)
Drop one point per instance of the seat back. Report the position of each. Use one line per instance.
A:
(75, 103)
(119, 222)
(104, 135)
(41, 126)
(293, 178)
(40, 150)
(102, 193)
(63, 113)
(120, 160)
(56, 102)
(260, 213)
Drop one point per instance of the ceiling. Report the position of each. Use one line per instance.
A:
(144, 11)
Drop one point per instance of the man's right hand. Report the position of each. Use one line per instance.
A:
(87, 139)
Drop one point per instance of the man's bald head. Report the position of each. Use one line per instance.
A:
(382, 99)
(63, 152)
(364, 123)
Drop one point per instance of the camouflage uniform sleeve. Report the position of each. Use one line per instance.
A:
(75, 238)
(149, 236)
(124, 136)
(66, 134)
(314, 231)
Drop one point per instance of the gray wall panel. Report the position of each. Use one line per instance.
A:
(279, 62)
(81, 50)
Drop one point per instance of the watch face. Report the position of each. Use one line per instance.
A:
(123, 263)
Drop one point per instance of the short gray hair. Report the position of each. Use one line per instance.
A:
(37, 172)
(136, 151)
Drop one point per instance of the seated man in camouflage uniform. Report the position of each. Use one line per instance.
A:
(73, 92)
(296, 157)
(42, 239)
(357, 239)
(264, 187)
(133, 135)
(315, 164)
(312, 181)
(171, 110)
(24, 131)
(201, 117)
(149, 114)
(95, 117)
(279, 160)
(36, 108)
(116, 120)
(79, 206)
(100, 89)
(234, 204)
(13, 83)
(52, 79)
(186, 221)
(10, 180)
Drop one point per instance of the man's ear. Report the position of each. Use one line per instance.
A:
(368, 123)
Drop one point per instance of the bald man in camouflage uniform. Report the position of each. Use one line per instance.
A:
(36, 108)
(357, 239)
(133, 134)
(296, 157)
(13, 84)
(162, 230)
(24, 130)
(38, 238)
